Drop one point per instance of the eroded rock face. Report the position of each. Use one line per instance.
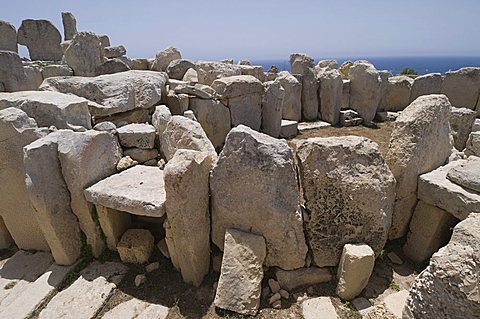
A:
(12, 74)
(365, 91)
(41, 38)
(292, 102)
(84, 54)
(187, 206)
(254, 188)
(348, 192)
(241, 268)
(69, 25)
(420, 143)
(8, 37)
(462, 87)
(113, 93)
(177, 68)
(303, 65)
(473, 144)
(164, 58)
(450, 282)
(398, 93)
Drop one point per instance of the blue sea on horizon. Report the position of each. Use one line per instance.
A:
(422, 64)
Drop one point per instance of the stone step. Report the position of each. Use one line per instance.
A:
(88, 294)
(135, 308)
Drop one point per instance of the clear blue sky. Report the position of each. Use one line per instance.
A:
(268, 29)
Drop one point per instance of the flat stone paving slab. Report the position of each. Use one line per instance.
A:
(436, 189)
(88, 294)
(135, 309)
(139, 190)
(320, 307)
(306, 126)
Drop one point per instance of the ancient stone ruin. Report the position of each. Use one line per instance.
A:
(242, 182)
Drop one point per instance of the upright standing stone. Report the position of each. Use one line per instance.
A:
(8, 37)
(84, 54)
(365, 89)
(12, 73)
(187, 207)
(241, 268)
(330, 95)
(42, 40)
(398, 92)
(69, 25)
(461, 122)
(50, 197)
(382, 103)
(348, 192)
(272, 108)
(462, 87)
(425, 85)
(16, 131)
(292, 102)
(448, 287)
(254, 188)
(160, 118)
(163, 58)
(303, 64)
(420, 143)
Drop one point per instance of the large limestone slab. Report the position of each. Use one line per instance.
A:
(12, 73)
(137, 135)
(137, 309)
(425, 85)
(164, 58)
(303, 65)
(461, 122)
(41, 38)
(8, 37)
(138, 190)
(365, 89)
(63, 111)
(420, 142)
(233, 86)
(183, 133)
(436, 189)
(187, 206)
(272, 103)
(330, 95)
(398, 93)
(16, 131)
(84, 54)
(214, 117)
(69, 25)
(348, 192)
(292, 102)
(467, 174)
(254, 188)
(208, 72)
(246, 110)
(113, 93)
(450, 282)
(86, 158)
(87, 295)
(241, 268)
(462, 87)
(291, 279)
(50, 198)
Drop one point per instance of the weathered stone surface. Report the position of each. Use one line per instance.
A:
(138, 64)
(41, 38)
(56, 70)
(420, 142)
(461, 122)
(87, 295)
(320, 307)
(177, 103)
(137, 309)
(428, 231)
(6, 239)
(462, 87)
(354, 270)
(138, 190)
(348, 192)
(116, 51)
(114, 223)
(137, 135)
(187, 205)
(12, 74)
(327, 64)
(208, 72)
(425, 85)
(63, 111)
(214, 117)
(136, 246)
(303, 64)
(467, 174)
(34, 76)
(16, 131)
(86, 158)
(164, 58)
(292, 279)
(191, 76)
(473, 144)
(141, 155)
(104, 40)
(306, 126)
(292, 102)
(365, 91)
(160, 118)
(288, 129)
(398, 93)
(69, 25)
(345, 69)
(450, 282)
(253, 70)
(436, 189)
(234, 86)
(346, 94)
(192, 90)
(272, 103)
(106, 127)
(8, 37)
(246, 110)
(382, 104)
(395, 302)
(269, 205)
(84, 54)
(241, 268)
(177, 68)
(183, 133)
(50, 197)
(113, 93)
(125, 163)
(112, 66)
(330, 95)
